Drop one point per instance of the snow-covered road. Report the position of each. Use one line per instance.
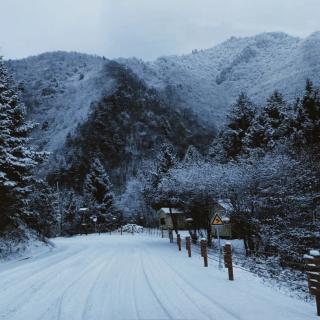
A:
(134, 277)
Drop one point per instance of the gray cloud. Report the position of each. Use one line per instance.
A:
(144, 28)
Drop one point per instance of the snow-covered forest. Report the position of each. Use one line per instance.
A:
(159, 160)
(264, 160)
(89, 144)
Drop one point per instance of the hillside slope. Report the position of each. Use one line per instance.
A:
(208, 81)
(59, 87)
(127, 128)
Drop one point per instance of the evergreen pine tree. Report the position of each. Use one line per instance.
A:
(192, 156)
(71, 216)
(231, 139)
(309, 101)
(241, 113)
(275, 109)
(268, 126)
(218, 148)
(165, 161)
(16, 158)
(257, 136)
(97, 189)
(43, 209)
(307, 124)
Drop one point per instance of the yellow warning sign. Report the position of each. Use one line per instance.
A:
(217, 221)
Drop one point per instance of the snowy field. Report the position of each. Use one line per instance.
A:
(134, 277)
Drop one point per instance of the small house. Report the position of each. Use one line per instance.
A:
(166, 215)
(223, 208)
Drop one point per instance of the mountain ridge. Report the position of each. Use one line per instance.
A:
(257, 65)
(59, 87)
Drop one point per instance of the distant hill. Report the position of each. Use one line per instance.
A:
(127, 128)
(59, 87)
(208, 81)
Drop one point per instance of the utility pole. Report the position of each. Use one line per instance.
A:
(219, 245)
(217, 223)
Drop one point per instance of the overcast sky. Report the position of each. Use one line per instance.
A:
(144, 28)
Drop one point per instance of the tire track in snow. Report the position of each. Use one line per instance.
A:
(156, 296)
(128, 264)
(193, 287)
(33, 269)
(55, 306)
(133, 285)
(27, 293)
(185, 293)
(98, 266)
(115, 297)
(90, 296)
(144, 278)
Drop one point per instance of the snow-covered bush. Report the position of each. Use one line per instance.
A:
(131, 228)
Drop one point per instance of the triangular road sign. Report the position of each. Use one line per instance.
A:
(217, 221)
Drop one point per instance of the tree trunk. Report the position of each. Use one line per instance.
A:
(174, 221)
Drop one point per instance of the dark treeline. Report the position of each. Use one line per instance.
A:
(17, 159)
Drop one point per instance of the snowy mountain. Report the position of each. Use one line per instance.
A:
(127, 128)
(208, 81)
(59, 87)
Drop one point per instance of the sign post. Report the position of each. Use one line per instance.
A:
(94, 219)
(217, 223)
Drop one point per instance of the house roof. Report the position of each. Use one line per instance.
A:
(173, 210)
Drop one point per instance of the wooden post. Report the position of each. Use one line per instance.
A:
(228, 260)
(188, 246)
(204, 252)
(313, 272)
(201, 247)
(179, 241)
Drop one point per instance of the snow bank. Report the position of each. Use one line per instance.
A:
(22, 244)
